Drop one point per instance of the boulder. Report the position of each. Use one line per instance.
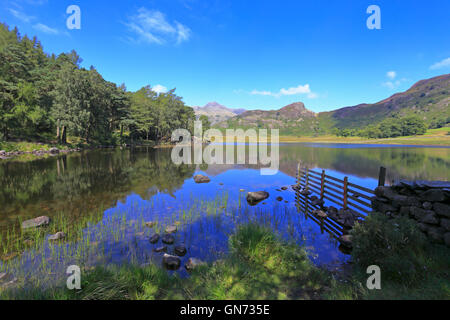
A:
(418, 213)
(433, 195)
(171, 229)
(171, 262)
(194, 263)
(447, 239)
(445, 223)
(36, 222)
(180, 250)
(385, 192)
(201, 179)
(57, 236)
(168, 239)
(430, 218)
(253, 198)
(442, 209)
(154, 238)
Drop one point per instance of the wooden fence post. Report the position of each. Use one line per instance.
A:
(345, 192)
(322, 185)
(382, 177)
(307, 178)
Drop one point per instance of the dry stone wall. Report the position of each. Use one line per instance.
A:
(427, 202)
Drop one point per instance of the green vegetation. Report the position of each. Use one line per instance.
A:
(411, 267)
(259, 266)
(51, 98)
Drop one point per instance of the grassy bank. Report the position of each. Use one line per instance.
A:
(434, 137)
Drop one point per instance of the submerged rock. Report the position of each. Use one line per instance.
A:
(180, 250)
(193, 263)
(154, 238)
(171, 229)
(57, 236)
(201, 179)
(168, 239)
(161, 249)
(171, 262)
(150, 224)
(36, 222)
(253, 198)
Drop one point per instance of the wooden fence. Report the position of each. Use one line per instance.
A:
(342, 193)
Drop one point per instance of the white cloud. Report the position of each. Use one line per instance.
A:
(151, 26)
(46, 29)
(21, 15)
(301, 89)
(159, 89)
(441, 64)
(391, 74)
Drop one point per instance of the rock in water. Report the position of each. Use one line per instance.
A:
(168, 239)
(320, 214)
(161, 249)
(57, 236)
(171, 229)
(150, 224)
(201, 179)
(154, 238)
(35, 223)
(253, 198)
(284, 188)
(279, 199)
(171, 262)
(180, 250)
(194, 263)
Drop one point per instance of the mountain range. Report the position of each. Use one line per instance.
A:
(429, 99)
(216, 112)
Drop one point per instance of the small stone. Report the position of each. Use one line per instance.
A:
(57, 236)
(180, 250)
(168, 239)
(171, 262)
(150, 224)
(161, 249)
(35, 223)
(154, 238)
(201, 179)
(279, 199)
(284, 188)
(194, 263)
(171, 229)
(320, 214)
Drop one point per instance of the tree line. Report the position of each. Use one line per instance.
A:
(388, 128)
(49, 97)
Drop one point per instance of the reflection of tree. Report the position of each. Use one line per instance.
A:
(80, 183)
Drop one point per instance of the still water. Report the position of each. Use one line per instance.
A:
(142, 184)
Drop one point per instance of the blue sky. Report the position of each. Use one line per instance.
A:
(250, 54)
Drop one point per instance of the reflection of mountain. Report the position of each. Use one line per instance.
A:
(401, 162)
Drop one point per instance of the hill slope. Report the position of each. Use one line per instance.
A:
(429, 99)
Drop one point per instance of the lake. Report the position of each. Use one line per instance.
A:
(114, 192)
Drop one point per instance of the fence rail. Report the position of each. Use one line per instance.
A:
(340, 192)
